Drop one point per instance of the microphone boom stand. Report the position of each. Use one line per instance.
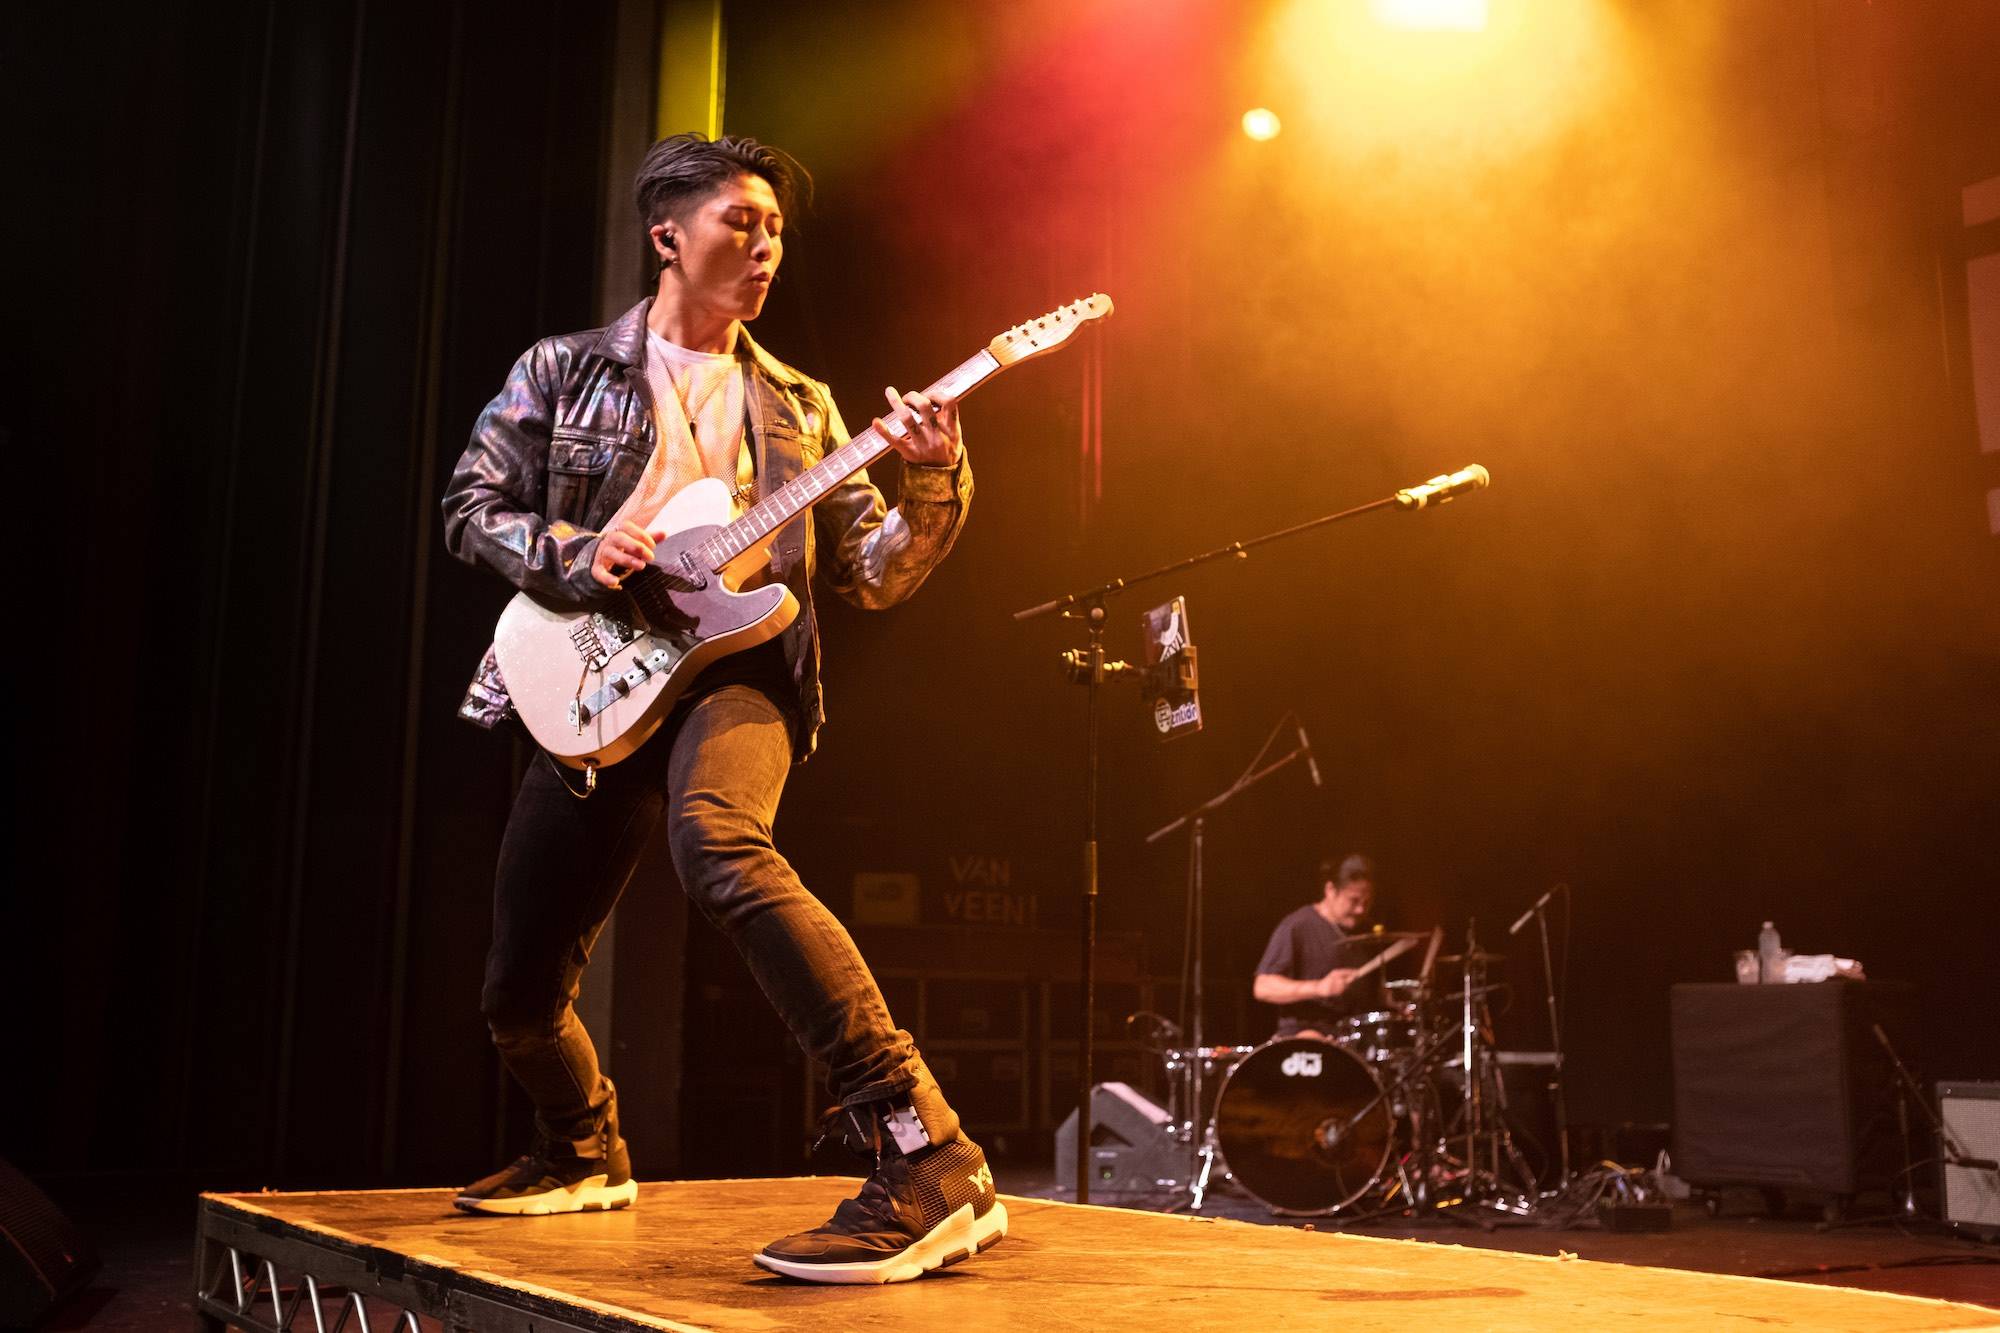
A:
(1540, 911)
(1088, 668)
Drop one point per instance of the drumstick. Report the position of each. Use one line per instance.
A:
(1396, 950)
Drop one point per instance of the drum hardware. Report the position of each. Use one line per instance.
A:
(1207, 1067)
(1402, 1111)
(1507, 1060)
(1298, 1140)
(1379, 1036)
(1485, 1183)
(1201, 1143)
(1198, 1190)
(1189, 1109)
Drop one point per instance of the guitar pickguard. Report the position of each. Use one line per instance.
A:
(592, 685)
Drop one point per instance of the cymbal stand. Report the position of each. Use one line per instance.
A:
(1199, 1131)
(1417, 1078)
(1473, 976)
(1483, 1126)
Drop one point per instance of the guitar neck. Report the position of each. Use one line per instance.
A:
(799, 494)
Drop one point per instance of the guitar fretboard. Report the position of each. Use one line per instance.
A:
(809, 487)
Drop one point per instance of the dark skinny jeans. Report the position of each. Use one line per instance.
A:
(715, 770)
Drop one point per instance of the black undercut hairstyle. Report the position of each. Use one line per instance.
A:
(684, 169)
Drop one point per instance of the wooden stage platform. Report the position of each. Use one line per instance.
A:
(680, 1259)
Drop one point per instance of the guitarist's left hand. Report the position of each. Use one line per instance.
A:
(934, 438)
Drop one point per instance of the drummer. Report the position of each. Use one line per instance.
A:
(1308, 968)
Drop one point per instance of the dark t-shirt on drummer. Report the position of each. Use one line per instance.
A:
(1305, 947)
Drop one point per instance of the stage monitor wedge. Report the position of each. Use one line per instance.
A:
(44, 1259)
(1133, 1148)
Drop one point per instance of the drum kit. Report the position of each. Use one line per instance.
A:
(1396, 1109)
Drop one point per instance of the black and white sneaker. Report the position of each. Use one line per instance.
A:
(916, 1213)
(557, 1177)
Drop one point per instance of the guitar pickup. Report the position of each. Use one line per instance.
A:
(582, 710)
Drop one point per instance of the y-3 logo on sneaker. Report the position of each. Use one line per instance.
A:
(982, 1179)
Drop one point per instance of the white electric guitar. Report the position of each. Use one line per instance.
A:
(592, 684)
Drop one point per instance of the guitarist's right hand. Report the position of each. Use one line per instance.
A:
(624, 550)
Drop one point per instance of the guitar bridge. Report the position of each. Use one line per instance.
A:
(583, 710)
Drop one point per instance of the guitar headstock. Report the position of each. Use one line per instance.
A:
(1026, 341)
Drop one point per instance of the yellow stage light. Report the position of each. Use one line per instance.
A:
(1361, 82)
(1261, 124)
(1432, 15)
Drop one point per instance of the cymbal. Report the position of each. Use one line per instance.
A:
(1477, 956)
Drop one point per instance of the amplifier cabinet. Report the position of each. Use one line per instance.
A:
(1971, 1195)
(1785, 1086)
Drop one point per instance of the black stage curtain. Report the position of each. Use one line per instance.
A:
(281, 255)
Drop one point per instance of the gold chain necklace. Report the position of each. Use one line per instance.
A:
(691, 412)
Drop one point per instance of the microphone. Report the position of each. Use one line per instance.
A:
(1312, 764)
(1444, 489)
(1529, 915)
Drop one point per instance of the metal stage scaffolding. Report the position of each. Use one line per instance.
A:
(404, 1260)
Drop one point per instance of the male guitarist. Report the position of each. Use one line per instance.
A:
(556, 491)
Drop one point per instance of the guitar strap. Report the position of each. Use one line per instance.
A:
(746, 491)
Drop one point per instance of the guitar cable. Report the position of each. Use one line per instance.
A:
(589, 777)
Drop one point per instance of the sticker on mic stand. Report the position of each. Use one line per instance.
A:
(1171, 678)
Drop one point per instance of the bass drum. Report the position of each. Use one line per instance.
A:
(1303, 1126)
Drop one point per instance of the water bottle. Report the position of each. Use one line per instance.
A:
(1770, 956)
